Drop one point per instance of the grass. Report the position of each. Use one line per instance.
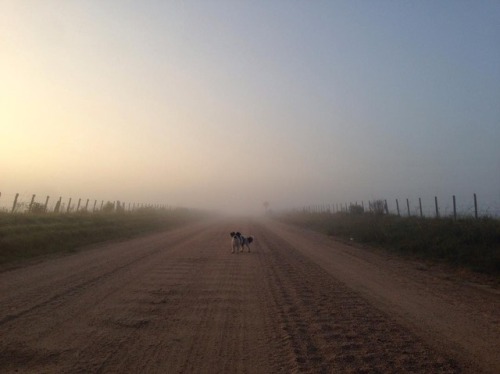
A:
(25, 236)
(467, 242)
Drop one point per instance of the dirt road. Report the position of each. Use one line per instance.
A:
(180, 302)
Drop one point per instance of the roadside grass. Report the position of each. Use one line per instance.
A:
(467, 242)
(25, 236)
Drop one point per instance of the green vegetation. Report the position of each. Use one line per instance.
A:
(468, 242)
(24, 236)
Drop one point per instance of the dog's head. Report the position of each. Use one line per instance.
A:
(233, 234)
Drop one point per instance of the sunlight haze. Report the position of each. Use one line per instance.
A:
(224, 105)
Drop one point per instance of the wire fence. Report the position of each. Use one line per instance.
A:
(32, 203)
(414, 207)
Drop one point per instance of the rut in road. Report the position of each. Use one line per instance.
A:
(332, 329)
(180, 302)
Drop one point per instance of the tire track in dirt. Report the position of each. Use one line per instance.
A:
(212, 319)
(332, 329)
(73, 301)
(32, 298)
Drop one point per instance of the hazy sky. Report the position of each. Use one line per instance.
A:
(227, 104)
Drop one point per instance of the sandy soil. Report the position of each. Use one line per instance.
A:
(180, 302)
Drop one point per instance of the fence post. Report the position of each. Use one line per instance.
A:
(408, 207)
(437, 208)
(57, 209)
(87, 205)
(31, 203)
(46, 203)
(15, 203)
(454, 208)
(78, 206)
(420, 205)
(386, 207)
(93, 209)
(102, 203)
(69, 205)
(475, 206)
(397, 207)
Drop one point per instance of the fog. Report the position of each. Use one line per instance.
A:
(224, 105)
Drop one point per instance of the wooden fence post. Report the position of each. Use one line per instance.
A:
(420, 205)
(102, 203)
(397, 207)
(87, 205)
(408, 207)
(31, 203)
(475, 206)
(57, 208)
(46, 204)
(93, 209)
(454, 208)
(437, 207)
(78, 206)
(386, 207)
(69, 205)
(15, 203)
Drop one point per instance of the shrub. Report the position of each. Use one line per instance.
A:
(356, 209)
(377, 207)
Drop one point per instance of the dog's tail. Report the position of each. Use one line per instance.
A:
(250, 239)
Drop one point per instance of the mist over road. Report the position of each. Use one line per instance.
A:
(180, 302)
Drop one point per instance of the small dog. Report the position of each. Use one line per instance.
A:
(239, 242)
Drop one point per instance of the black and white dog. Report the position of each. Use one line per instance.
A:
(239, 242)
